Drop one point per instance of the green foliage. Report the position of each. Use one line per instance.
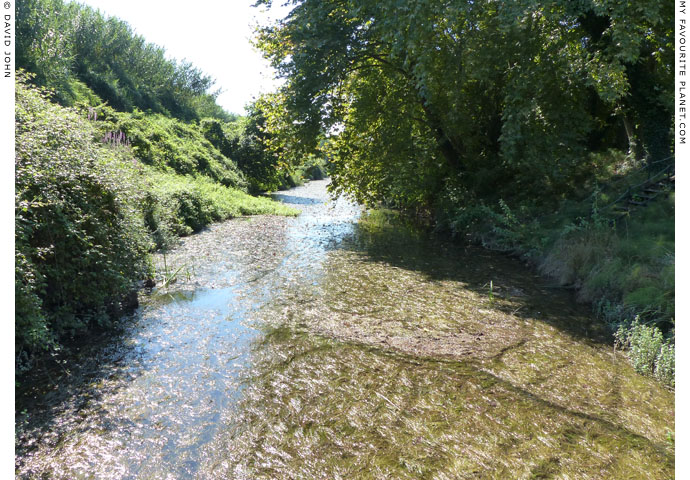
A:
(178, 205)
(65, 43)
(629, 267)
(644, 297)
(249, 143)
(243, 140)
(80, 244)
(511, 95)
(169, 144)
(498, 228)
(83, 95)
(648, 351)
(87, 213)
(42, 47)
(312, 168)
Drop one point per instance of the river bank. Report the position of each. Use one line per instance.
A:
(343, 345)
(621, 264)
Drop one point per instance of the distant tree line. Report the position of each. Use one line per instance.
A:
(68, 45)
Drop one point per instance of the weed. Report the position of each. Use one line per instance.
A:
(648, 351)
(169, 275)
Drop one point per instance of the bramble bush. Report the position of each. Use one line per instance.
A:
(81, 244)
(87, 214)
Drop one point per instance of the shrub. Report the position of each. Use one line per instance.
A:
(81, 244)
(648, 351)
(649, 298)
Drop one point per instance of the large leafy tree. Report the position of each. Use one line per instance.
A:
(416, 94)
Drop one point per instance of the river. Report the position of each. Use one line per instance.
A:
(342, 344)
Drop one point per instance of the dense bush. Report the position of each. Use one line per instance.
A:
(80, 243)
(88, 212)
(628, 268)
(312, 168)
(504, 99)
(169, 144)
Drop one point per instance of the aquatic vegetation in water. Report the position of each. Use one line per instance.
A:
(168, 275)
(324, 346)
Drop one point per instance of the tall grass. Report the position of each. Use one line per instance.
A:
(624, 268)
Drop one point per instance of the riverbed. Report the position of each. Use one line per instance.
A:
(346, 344)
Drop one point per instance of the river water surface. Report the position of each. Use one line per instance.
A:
(340, 345)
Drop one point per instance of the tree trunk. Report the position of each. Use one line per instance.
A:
(450, 151)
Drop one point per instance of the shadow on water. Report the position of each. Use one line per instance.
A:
(326, 347)
(51, 397)
(510, 286)
(537, 373)
(317, 408)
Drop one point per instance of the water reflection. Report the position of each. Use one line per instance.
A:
(329, 346)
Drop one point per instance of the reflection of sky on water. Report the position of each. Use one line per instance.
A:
(295, 349)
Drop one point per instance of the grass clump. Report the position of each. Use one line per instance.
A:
(626, 268)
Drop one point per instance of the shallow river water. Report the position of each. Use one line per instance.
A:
(340, 345)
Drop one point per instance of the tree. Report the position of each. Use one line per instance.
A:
(68, 43)
(483, 93)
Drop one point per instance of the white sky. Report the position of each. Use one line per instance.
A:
(213, 35)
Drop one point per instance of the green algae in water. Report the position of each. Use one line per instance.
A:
(319, 347)
(324, 409)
